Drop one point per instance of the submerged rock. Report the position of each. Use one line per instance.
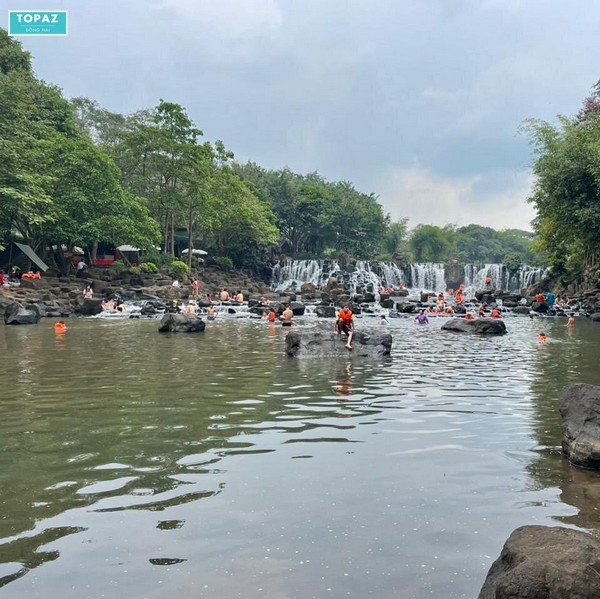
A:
(15, 313)
(541, 562)
(579, 406)
(181, 323)
(319, 344)
(483, 326)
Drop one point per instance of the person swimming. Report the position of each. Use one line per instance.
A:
(211, 313)
(60, 326)
(542, 337)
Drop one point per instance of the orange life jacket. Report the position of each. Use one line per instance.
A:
(272, 316)
(346, 315)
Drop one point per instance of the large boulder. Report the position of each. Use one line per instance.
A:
(15, 313)
(297, 308)
(539, 307)
(321, 344)
(326, 311)
(90, 306)
(595, 317)
(484, 326)
(181, 323)
(541, 562)
(579, 406)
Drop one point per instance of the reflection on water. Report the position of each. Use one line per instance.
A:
(136, 464)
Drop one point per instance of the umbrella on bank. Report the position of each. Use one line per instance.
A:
(195, 252)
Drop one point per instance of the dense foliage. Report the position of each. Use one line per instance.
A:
(567, 191)
(75, 174)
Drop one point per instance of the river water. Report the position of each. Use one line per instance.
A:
(139, 465)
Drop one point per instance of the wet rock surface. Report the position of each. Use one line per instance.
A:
(482, 326)
(181, 323)
(579, 406)
(541, 562)
(320, 344)
(15, 313)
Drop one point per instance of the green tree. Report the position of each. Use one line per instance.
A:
(566, 192)
(430, 243)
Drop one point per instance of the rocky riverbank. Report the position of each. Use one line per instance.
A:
(54, 296)
(63, 296)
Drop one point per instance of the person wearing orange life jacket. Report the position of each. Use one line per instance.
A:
(60, 326)
(496, 313)
(272, 315)
(345, 324)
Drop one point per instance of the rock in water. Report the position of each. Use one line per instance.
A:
(542, 562)
(579, 406)
(484, 326)
(15, 313)
(321, 344)
(90, 306)
(181, 323)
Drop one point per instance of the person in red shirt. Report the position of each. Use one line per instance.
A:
(496, 313)
(345, 324)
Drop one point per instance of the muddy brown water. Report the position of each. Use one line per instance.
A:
(140, 465)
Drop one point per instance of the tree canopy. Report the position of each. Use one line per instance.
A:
(566, 192)
(74, 173)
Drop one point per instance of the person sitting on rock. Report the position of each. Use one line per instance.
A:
(88, 292)
(488, 281)
(224, 295)
(240, 296)
(496, 313)
(345, 324)
(540, 297)
(481, 311)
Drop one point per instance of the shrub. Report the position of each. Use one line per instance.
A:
(135, 270)
(178, 269)
(149, 268)
(223, 262)
(118, 267)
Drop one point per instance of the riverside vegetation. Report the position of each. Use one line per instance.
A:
(75, 174)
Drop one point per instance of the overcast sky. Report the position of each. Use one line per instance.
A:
(417, 101)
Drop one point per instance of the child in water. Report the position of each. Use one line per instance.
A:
(542, 338)
(571, 320)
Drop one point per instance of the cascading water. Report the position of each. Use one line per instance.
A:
(502, 278)
(290, 275)
(427, 277)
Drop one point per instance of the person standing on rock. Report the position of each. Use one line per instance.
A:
(175, 288)
(345, 324)
(195, 288)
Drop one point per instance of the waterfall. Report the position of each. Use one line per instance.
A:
(427, 277)
(475, 276)
(290, 275)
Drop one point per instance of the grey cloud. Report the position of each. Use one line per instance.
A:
(358, 90)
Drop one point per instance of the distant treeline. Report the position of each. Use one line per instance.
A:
(75, 174)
